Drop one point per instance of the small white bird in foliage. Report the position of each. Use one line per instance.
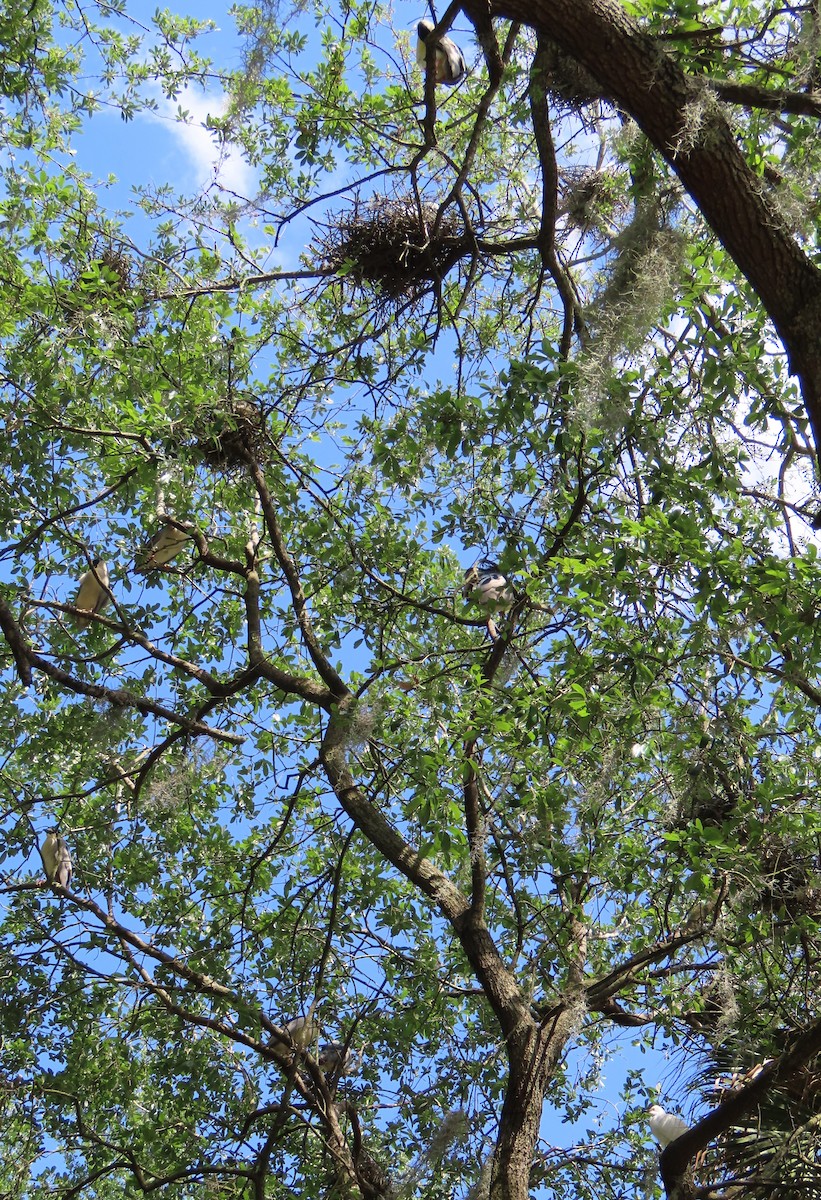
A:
(302, 1030)
(161, 548)
(56, 859)
(335, 1058)
(449, 61)
(92, 594)
(664, 1126)
(486, 587)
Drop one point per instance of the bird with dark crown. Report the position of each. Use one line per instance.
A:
(449, 61)
(161, 548)
(487, 588)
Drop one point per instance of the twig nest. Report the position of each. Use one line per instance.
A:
(235, 430)
(393, 245)
(119, 264)
(592, 199)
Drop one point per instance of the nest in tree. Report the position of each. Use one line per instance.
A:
(119, 264)
(592, 199)
(232, 433)
(394, 246)
(100, 285)
(790, 882)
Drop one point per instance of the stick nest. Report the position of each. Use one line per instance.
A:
(232, 431)
(390, 245)
(119, 263)
(592, 199)
(791, 881)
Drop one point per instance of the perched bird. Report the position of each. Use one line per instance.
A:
(335, 1058)
(449, 61)
(92, 594)
(486, 587)
(664, 1126)
(302, 1031)
(161, 548)
(56, 859)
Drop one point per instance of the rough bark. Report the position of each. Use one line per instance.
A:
(532, 1054)
(532, 1049)
(695, 139)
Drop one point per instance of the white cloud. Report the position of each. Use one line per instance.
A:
(208, 160)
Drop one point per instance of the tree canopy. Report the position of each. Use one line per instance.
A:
(369, 875)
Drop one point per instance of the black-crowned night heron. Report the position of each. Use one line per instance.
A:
(449, 62)
(56, 859)
(335, 1058)
(302, 1031)
(487, 588)
(92, 594)
(160, 549)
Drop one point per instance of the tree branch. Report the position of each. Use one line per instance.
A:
(697, 142)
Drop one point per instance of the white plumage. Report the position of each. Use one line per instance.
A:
(161, 548)
(49, 852)
(56, 859)
(303, 1030)
(487, 588)
(449, 62)
(665, 1127)
(92, 594)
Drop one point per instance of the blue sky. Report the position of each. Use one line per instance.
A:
(159, 149)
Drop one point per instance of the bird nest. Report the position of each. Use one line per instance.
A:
(395, 246)
(791, 882)
(233, 435)
(119, 264)
(591, 198)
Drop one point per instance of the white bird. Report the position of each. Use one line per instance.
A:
(449, 61)
(664, 1126)
(56, 859)
(486, 587)
(302, 1030)
(161, 548)
(92, 594)
(337, 1059)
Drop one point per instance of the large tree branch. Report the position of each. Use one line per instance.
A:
(17, 643)
(25, 658)
(532, 1050)
(122, 698)
(750, 95)
(675, 113)
(499, 984)
(680, 1153)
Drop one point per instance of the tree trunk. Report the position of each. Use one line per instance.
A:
(533, 1052)
(679, 118)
